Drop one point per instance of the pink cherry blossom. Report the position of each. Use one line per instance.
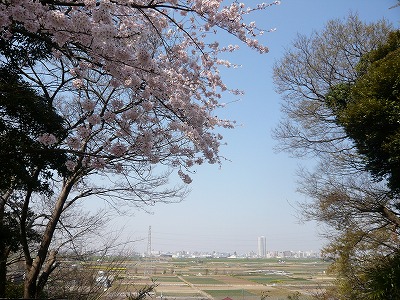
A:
(84, 131)
(99, 163)
(47, 139)
(185, 177)
(73, 143)
(70, 165)
(77, 83)
(145, 76)
(94, 119)
(88, 105)
(109, 116)
(118, 149)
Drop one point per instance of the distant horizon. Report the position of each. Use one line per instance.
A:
(158, 245)
(228, 252)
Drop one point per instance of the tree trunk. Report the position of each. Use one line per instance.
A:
(390, 215)
(49, 267)
(3, 252)
(30, 285)
(3, 271)
(33, 271)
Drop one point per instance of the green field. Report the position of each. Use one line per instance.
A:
(203, 280)
(270, 279)
(166, 279)
(216, 279)
(239, 294)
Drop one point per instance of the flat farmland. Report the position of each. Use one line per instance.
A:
(248, 279)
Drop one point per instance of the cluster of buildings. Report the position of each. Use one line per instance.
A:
(261, 253)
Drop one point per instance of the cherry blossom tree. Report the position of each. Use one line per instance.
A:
(161, 43)
(137, 83)
(158, 50)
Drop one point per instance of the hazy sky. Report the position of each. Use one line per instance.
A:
(254, 193)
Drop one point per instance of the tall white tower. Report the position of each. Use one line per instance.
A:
(262, 246)
(149, 243)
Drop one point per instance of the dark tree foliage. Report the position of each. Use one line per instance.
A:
(24, 116)
(383, 279)
(24, 50)
(10, 231)
(369, 110)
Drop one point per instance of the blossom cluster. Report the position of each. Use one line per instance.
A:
(47, 139)
(154, 50)
(118, 35)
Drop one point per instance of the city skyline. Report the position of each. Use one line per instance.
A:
(261, 251)
(199, 254)
(153, 242)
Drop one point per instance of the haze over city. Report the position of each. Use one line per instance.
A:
(253, 193)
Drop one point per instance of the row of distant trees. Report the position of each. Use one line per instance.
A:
(341, 91)
(103, 100)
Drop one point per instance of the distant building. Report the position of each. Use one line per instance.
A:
(262, 246)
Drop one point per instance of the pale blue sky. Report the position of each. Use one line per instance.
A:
(255, 193)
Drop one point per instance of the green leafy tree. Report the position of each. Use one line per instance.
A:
(369, 110)
(340, 91)
(383, 278)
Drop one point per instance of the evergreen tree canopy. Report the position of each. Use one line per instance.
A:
(369, 110)
(24, 117)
